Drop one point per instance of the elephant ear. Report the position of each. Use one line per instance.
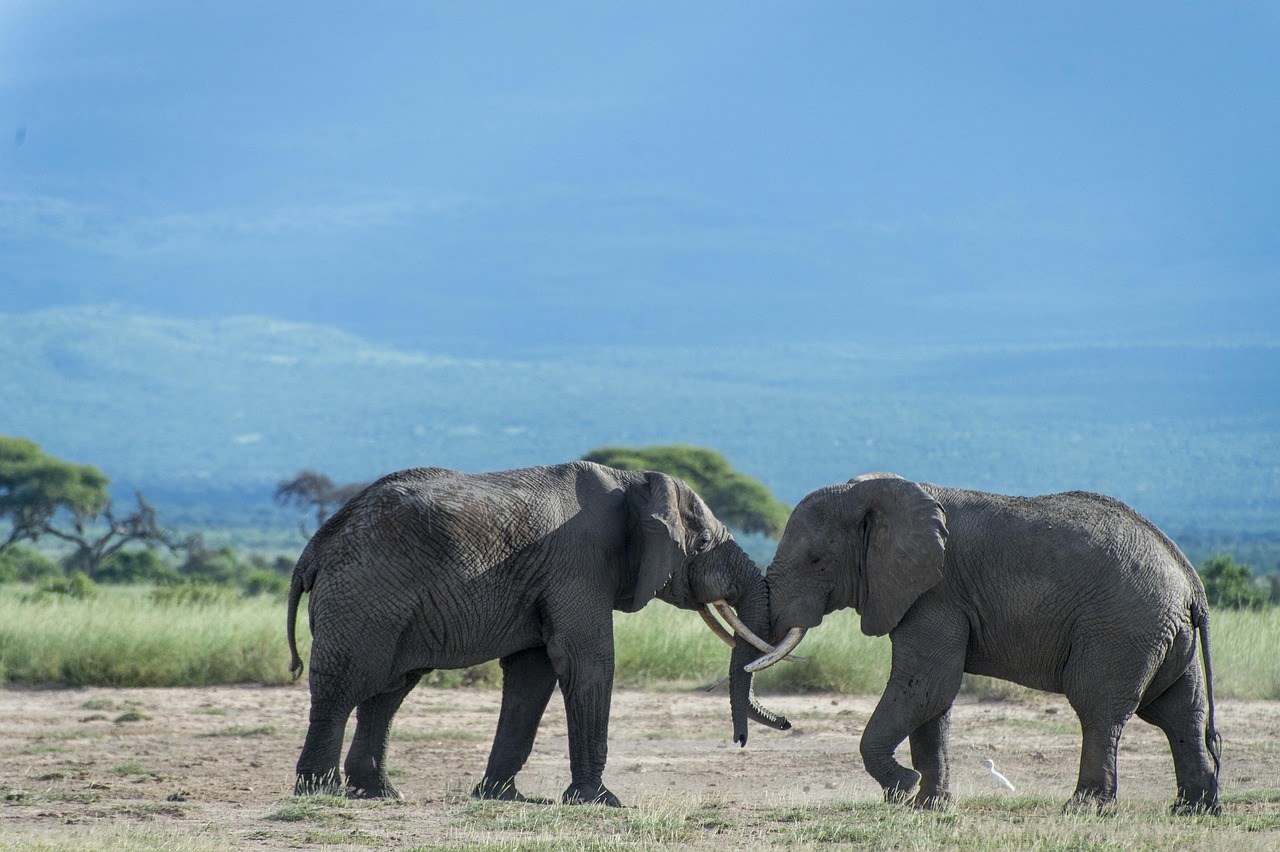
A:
(904, 539)
(655, 540)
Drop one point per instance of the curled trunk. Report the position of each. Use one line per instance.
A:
(753, 608)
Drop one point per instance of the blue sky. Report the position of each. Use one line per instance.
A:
(490, 176)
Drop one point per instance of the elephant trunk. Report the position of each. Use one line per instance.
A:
(753, 609)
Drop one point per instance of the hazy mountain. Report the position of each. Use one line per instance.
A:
(218, 412)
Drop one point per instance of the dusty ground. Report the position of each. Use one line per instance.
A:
(214, 767)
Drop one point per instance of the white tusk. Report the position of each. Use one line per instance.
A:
(789, 642)
(726, 611)
(716, 627)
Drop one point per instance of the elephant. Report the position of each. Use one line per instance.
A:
(430, 568)
(1072, 593)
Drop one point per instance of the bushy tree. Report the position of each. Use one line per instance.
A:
(1229, 584)
(44, 496)
(35, 488)
(312, 490)
(738, 500)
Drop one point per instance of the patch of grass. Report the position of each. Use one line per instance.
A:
(324, 810)
(98, 704)
(131, 769)
(132, 716)
(30, 797)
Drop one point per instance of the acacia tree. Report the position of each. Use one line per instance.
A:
(35, 488)
(43, 495)
(313, 490)
(738, 500)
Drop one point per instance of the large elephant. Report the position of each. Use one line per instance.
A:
(436, 569)
(1071, 593)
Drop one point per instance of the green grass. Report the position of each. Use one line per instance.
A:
(124, 637)
(1245, 646)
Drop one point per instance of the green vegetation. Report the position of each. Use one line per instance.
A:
(738, 500)
(125, 636)
(1228, 583)
(193, 635)
(35, 488)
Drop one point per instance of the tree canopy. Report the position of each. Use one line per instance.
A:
(738, 500)
(310, 489)
(35, 487)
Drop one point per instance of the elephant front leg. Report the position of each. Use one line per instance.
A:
(585, 669)
(528, 679)
(923, 683)
(929, 755)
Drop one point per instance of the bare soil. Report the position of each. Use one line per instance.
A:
(213, 767)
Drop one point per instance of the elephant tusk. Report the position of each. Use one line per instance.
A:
(726, 612)
(716, 627)
(788, 643)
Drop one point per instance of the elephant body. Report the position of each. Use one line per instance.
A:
(1071, 593)
(436, 569)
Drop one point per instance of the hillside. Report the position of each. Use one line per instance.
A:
(215, 413)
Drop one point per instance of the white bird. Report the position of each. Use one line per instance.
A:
(1000, 779)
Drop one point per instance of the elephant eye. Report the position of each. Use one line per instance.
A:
(703, 543)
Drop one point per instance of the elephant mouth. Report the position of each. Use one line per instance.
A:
(726, 612)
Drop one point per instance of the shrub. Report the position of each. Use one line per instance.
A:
(77, 585)
(1230, 585)
(137, 566)
(24, 565)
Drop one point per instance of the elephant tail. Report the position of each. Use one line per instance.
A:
(303, 577)
(1212, 739)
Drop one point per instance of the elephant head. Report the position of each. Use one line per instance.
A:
(875, 544)
(689, 559)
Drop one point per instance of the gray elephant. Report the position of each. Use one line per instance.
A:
(436, 569)
(1071, 593)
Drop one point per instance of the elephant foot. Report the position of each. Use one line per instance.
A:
(504, 791)
(1205, 806)
(901, 785)
(590, 794)
(939, 801)
(1090, 801)
(318, 784)
(380, 789)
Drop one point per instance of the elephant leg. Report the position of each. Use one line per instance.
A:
(916, 703)
(1180, 712)
(528, 679)
(929, 756)
(1096, 785)
(366, 763)
(584, 666)
(317, 770)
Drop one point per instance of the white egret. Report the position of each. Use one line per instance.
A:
(1000, 779)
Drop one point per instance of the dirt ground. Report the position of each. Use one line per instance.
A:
(214, 767)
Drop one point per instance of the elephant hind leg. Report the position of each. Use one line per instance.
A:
(1180, 712)
(366, 763)
(1096, 784)
(317, 769)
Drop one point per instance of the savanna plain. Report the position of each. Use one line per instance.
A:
(195, 767)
